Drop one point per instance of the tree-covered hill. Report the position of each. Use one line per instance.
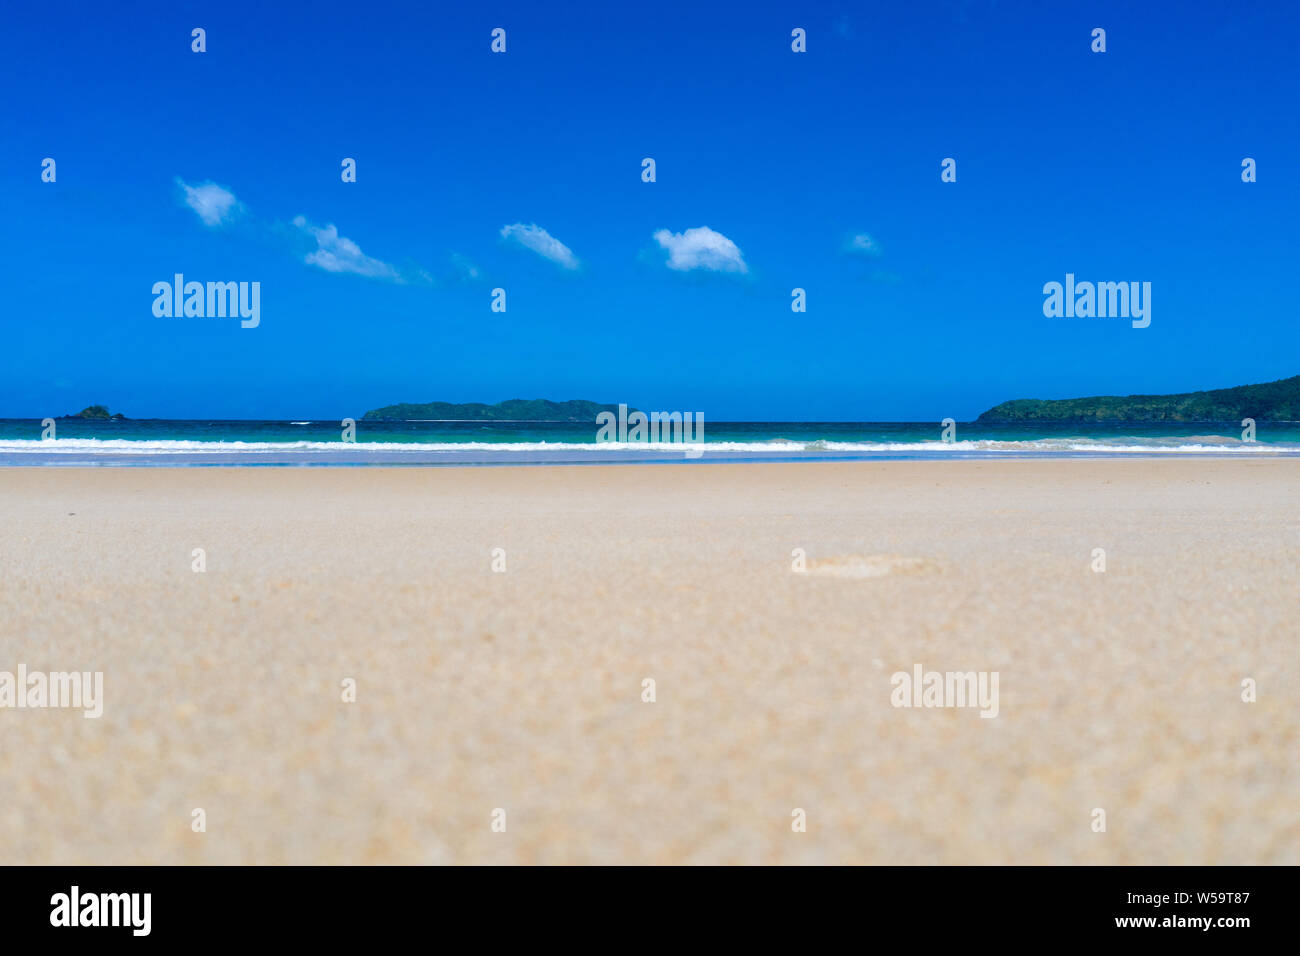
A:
(1271, 401)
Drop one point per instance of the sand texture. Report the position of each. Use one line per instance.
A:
(522, 690)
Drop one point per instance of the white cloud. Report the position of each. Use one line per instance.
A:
(864, 245)
(335, 253)
(701, 248)
(214, 204)
(464, 269)
(541, 242)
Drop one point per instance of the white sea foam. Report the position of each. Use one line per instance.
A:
(1194, 445)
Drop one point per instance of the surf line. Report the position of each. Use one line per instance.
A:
(686, 428)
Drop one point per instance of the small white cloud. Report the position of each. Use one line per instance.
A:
(335, 253)
(464, 269)
(701, 248)
(864, 245)
(541, 242)
(214, 204)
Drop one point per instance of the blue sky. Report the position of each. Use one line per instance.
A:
(1117, 166)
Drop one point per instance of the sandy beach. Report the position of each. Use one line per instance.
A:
(522, 689)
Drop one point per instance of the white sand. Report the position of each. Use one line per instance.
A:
(522, 690)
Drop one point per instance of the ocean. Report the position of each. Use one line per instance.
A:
(164, 442)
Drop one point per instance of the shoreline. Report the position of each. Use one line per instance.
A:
(437, 458)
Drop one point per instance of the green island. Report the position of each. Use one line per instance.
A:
(512, 410)
(1271, 401)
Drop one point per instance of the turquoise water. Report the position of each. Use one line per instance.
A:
(155, 441)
